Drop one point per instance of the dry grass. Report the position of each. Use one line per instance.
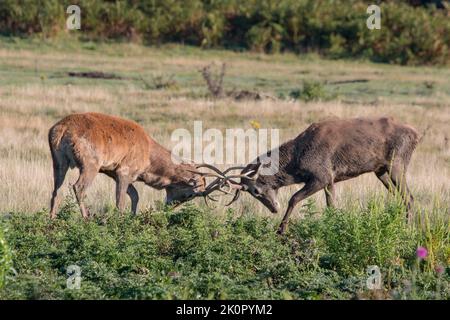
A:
(29, 106)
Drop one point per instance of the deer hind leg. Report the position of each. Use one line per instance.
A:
(398, 177)
(134, 196)
(87, 175)
(60, 167)
(308, 189)
(395, 180)
(330, 195)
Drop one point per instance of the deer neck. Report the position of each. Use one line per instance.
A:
(284, 176)
(163, 172)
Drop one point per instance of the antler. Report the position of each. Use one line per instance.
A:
(223, 183)
(236, 196)
(238, 191)
(213, 168)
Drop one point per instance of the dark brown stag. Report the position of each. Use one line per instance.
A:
(329, 152)
(121, 149)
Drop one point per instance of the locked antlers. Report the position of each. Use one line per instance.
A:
(223, 183)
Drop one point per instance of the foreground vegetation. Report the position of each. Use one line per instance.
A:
(192, 254)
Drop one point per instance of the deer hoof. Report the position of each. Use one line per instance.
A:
(281, 229)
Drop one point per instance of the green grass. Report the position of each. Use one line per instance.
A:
(192, 254)
(5, 258)
(278, 74)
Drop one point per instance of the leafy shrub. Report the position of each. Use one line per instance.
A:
(409, 36)
(410, 33)
(376, 236)
(192, 254)
(311, 91)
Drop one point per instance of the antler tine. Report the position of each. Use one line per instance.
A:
(224, 191)
(228, 185)
(245, 175)
(222, 183)
(242, 175)
(236, 196)
(233, 168)
(206, 174)
(210, 197)
(220, 176)
(218, 185)
(206, 202)
(213, 168)
(212, 184)
(228, 179)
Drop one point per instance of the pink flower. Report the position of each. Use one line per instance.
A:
(439, 269)
(422, 253)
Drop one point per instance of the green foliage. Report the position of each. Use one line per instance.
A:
(311, 91)
(409, 36)
(191, 254)
(336, 28)
(5, 258)
(354, 240)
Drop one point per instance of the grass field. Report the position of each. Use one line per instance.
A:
(165, 254)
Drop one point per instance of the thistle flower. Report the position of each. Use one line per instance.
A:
(439, 269)
(421, 253)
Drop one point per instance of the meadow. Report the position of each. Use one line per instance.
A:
(196, 252)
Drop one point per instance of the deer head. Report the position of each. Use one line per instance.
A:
(249, 182)
(185, 190)
(253, 183)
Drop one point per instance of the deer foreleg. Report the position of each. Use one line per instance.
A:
(307, 190)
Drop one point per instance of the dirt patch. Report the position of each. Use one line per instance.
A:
(349, 81)
(249, 95)
(94, 75)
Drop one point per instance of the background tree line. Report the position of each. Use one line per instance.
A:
(412, 31)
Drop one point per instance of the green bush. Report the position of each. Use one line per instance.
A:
(409, 36)
(193, 254)
(311, 91)
(335, 28)
(354, 240)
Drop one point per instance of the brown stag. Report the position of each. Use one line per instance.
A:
(329, 152)
(121, 149)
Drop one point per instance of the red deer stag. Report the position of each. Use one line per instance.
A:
(329, 152)
(121, 149)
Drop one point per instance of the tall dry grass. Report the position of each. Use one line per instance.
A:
(35, 93)
(28, 111)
